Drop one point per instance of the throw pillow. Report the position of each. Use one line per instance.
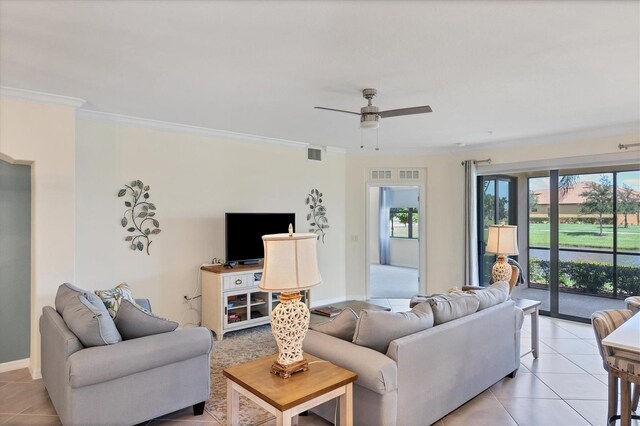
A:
(93, 326)
(376, 329)
(113, 298)
(447, 307)
(341, 326)
(132, 322)
(492, 295)
(86, 316)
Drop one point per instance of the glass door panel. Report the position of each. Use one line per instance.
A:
(536, 287)
(496, 204)
(258, 305)
(236, 309)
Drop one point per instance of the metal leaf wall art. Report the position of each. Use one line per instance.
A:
(139, 217)
(317, 217)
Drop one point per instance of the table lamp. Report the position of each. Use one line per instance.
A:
(502, 241)
(290, 265)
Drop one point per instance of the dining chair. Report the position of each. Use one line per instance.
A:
(622, 367)
(633, 304)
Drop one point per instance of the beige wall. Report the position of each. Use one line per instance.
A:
(194, 180)
(444, 197)
(44, 135)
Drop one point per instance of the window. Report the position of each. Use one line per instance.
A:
(404, 222)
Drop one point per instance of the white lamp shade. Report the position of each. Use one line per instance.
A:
(290, 262)
(502, 240)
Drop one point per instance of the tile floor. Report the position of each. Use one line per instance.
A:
(565, 386)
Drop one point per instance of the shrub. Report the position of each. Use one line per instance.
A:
(588, 277)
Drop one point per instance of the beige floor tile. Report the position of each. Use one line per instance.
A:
(592, 364)
(3, 384)
(17, 397)
(523, 369)
(480, 411)
(555, 332)
(40, 403)
(594, 411)
(583, 331)
(4, 418)
(550, 363)
(34, 419)
(575, 386)
(571, 346)
(21, 375)
(524, 385)
(539, 412)
(604, 378)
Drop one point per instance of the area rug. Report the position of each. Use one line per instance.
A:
(238, 347)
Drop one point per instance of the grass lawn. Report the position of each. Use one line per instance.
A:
(587, 236)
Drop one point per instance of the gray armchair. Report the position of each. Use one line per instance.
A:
(127, 382)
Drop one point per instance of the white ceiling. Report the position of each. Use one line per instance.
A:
(518, 69)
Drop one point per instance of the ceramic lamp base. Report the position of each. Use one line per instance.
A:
(501, 270)
(289, 325)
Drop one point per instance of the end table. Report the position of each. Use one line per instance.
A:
(286, 398)
(531, 307)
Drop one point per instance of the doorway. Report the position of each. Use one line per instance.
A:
(15, 262)
(394, 232)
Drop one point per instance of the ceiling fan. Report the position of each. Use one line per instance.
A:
(370, 116)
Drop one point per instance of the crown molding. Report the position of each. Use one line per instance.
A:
(40, 97)
(184, 128)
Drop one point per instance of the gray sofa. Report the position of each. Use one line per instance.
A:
(426, 375)
(127, 382)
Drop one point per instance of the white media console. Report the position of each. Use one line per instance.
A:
(231, 299)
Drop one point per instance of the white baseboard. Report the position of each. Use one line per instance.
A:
(14, 365)
(35, 374)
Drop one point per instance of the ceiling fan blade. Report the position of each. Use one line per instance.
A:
(405, 111)
(337, 110)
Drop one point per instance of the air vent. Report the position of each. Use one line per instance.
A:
(409, 174)
(314, 154)
(381, 174)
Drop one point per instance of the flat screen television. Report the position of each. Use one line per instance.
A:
(244, 231)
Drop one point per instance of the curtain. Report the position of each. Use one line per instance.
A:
(384, 229)
(470, 224)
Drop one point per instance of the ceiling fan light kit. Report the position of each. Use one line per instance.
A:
(370, 115)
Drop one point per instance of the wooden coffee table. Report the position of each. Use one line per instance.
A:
(286, 398)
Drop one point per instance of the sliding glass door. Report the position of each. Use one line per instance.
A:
(496, 204)
(584, 241)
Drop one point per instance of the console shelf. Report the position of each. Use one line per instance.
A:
(229, 299)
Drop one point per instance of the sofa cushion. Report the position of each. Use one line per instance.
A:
(492, 295)
(92, 326)
(133, 323)
(376, 329)
(113, 297)
(342, 326)
(447, 307)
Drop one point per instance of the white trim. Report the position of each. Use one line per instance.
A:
(41, 97)
(613, 159)
(14, 365)
(184, 128)
(35, 374)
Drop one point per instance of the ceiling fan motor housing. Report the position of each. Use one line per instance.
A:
(369, 116)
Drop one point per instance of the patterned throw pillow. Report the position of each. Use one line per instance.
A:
(113, 298)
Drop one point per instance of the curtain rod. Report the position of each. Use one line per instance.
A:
(627, 145)
(488, 160)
